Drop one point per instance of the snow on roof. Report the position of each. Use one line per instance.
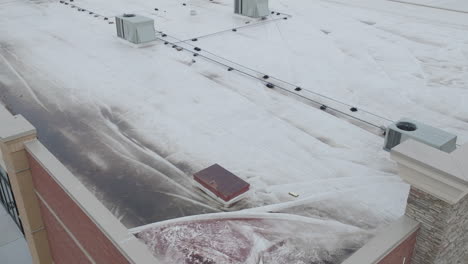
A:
(137, 123)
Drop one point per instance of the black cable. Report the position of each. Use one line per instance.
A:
(430, 6)
(72, 4)
(256, 71)
(261, 22)
(261, 79)
(277, 86)
(288, 83)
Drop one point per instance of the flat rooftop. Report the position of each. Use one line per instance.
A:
(134, 125)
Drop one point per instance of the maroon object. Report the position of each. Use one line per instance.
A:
(221, 182)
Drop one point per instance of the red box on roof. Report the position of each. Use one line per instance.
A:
(221, 182)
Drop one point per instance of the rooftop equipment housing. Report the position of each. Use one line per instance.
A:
(134, 28)
(221, 185)
(410, 129)
(251, 8)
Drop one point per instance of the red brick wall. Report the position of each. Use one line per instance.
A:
(403, 253)
(63, 247)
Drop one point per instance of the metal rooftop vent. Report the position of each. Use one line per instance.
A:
(409, 129)
(221, 184)
(251, 8)
(134, 28)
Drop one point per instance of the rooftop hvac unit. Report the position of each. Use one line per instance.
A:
(409, 129)
(134, 28)
(251, 8)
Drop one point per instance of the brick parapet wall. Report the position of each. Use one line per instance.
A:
(402, 253)
(443, 237)
(62, 246)
(98, 234)
(55, 207)
(394, 244)
(76, 230)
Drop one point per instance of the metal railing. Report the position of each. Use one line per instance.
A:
(7, 199)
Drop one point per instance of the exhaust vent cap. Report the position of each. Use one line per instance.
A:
(406, 126)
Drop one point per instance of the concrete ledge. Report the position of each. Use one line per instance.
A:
(441, 174)
(2, 163)
(14, 127)
(134, 250)
(384, 242)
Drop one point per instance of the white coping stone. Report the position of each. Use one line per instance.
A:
(384, 242)
(443, 175)
(2, 163)
(134, 250)
(13, 127)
